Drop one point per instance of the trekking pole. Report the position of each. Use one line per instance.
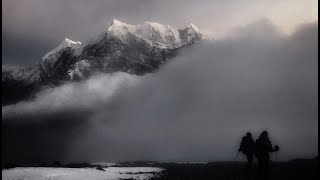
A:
(234, 170)
(236, 156)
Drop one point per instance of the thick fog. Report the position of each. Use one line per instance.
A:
(194, 108)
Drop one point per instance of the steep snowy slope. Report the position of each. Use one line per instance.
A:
(136, 49)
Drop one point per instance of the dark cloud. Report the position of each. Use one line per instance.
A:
(195, 108)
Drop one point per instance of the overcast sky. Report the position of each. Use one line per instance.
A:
(195, 108)
(33, 27)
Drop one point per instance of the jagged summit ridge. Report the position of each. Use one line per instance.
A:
(156, 34)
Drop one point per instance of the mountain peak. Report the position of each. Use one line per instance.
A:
(118, 23)
(195, 28)
(135, 49)
(154, 33)
(63, 45)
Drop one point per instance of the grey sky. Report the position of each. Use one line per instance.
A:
(33, 27)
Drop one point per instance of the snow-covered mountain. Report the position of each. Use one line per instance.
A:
(135, 49)
(155, 34)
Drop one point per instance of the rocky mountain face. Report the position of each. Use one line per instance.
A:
(135, 49)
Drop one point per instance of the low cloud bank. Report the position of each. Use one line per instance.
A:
(195, 108)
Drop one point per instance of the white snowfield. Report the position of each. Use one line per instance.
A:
(110, 173)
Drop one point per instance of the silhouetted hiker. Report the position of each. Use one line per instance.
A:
(262, 149)
(247, 147)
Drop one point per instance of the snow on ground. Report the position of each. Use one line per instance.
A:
(111, 173)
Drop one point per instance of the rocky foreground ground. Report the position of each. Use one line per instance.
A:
(297, 169)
